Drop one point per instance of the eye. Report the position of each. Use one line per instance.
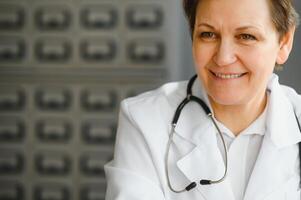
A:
(247, 37)
(207, 35)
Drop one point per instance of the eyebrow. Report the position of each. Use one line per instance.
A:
(205, 24)
(247, 27)
(239, 28)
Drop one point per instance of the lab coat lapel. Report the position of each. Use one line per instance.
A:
(274, 167)
(279, 153)
(193, 121)
(204, 160)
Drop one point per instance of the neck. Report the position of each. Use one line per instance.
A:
(239, 117)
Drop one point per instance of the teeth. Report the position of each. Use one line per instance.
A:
(228, 76)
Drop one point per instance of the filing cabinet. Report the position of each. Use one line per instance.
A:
(52, 191)
(146, 51)
(12, 49)
(95, 100)
(11, 190)
(103, 16)
(51, 17)
(93, 191)
(12, 130)
(54, 130)
(91, 164)
(53, 163)
(11, 162)
(53, 50)
(12, 99)
(98, 50)
(144, 17)
(65, 66)
(98, 132)
(12, 17)
(53, 99)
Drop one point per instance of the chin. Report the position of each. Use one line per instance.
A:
(226, 99)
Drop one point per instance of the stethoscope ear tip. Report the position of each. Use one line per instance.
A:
(190, 186)
(194, 184)
(205, 182)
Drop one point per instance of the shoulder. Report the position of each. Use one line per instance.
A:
(285, 93)
(294, 97)
(168, 93)
(154, 105)
(291, 93)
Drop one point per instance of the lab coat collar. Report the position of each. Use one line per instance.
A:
(281, 122)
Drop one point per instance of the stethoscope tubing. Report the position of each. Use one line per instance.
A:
(191, 98)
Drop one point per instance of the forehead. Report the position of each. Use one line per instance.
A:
(234, 11)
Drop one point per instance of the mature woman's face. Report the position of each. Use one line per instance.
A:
(235, 48)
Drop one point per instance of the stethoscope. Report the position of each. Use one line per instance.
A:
(189, 98)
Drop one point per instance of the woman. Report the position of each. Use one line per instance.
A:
(245, 145)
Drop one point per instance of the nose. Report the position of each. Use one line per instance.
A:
(225, 53)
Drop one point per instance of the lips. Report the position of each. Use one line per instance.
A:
(228, 75)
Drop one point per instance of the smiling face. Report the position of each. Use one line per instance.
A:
(235, 48)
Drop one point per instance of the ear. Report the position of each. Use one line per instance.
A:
(286, 45)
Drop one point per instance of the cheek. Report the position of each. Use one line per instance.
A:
(258, 60)
(202, 55)
(196, 52)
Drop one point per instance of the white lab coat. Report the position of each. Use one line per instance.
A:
(137, 171)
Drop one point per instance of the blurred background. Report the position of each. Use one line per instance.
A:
(65, 65)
